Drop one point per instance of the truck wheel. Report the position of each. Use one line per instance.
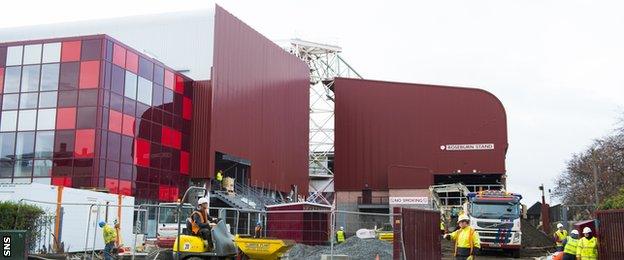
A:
(516, 253)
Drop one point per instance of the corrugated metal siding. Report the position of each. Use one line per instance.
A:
(421, 234)
(379, 124)
(200, 135)
(611, 237)
(260, 105)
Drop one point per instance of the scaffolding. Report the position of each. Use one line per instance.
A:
(325, 65)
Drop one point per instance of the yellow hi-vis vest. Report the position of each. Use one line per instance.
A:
(442, 226)
(571, 245)
(466, 238)
(587, 249)
(340, 236)
(560, 236)
(219, 176)
(109, 234)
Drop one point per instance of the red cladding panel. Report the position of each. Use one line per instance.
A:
(89, 74)
(132, 62)
(66, 118)
(169, 79)
(260, 112)
(84, 145)
(128, 125)
(114, 121)
(384, 124)
(141, 152)
(1, 80)
(187, 108)
(179, 84)
(202, 105)
(184, 162)
(119, 56)
(70, 51)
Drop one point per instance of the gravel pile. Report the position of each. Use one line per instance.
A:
(354, 247)
(532, 237)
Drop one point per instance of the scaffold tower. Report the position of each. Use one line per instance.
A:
(325, 64)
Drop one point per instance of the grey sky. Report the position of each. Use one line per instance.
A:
(555, 65)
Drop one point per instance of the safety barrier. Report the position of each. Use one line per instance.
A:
(610, 236)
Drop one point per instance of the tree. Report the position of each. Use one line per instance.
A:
(575, 186)
(14, 216)
(614, 202)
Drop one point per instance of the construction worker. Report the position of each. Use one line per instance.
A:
(587, 248)
(340, 235)
(258, 229)
(442, 227)
(219, 178)
(467, 242)
(110, 237)
(559, 236)
(569, 245)
(199, 221)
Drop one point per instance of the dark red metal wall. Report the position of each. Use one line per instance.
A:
(200, 134)
(384, 124)
(420, 234)
(260, 105)
(610, 237)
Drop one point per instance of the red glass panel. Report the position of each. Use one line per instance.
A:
(171, 137)
(169, 79)
(64, 181)
(128, 125)
(125, 188)
(184, 162)
(114, 121)
(119, 56)
(89, 74)
(70, 51)
(187, 108)
(1, 80)
(132, 62)
(179, 84)
(85, 139)
(66, 118)
(141, 152)
(167, 193)
(112, 185)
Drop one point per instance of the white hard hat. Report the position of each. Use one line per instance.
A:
(462, 218)
(586, 230)
(202, 201)
(341, 228)
(575, 232)
(559, 225)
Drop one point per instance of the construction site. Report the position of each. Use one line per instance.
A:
(130, 127)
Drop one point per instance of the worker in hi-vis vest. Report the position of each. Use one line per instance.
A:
(340, 235)
(467, 242)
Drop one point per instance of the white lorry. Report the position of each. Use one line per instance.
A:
(496, 216)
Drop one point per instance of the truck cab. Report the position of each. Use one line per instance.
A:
(496, 216)
(168, 222)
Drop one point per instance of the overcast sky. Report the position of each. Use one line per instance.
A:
(557, 66)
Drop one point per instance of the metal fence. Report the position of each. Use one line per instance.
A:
(406, 234)
(420, 233)
(610, 235)
(43, 239)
